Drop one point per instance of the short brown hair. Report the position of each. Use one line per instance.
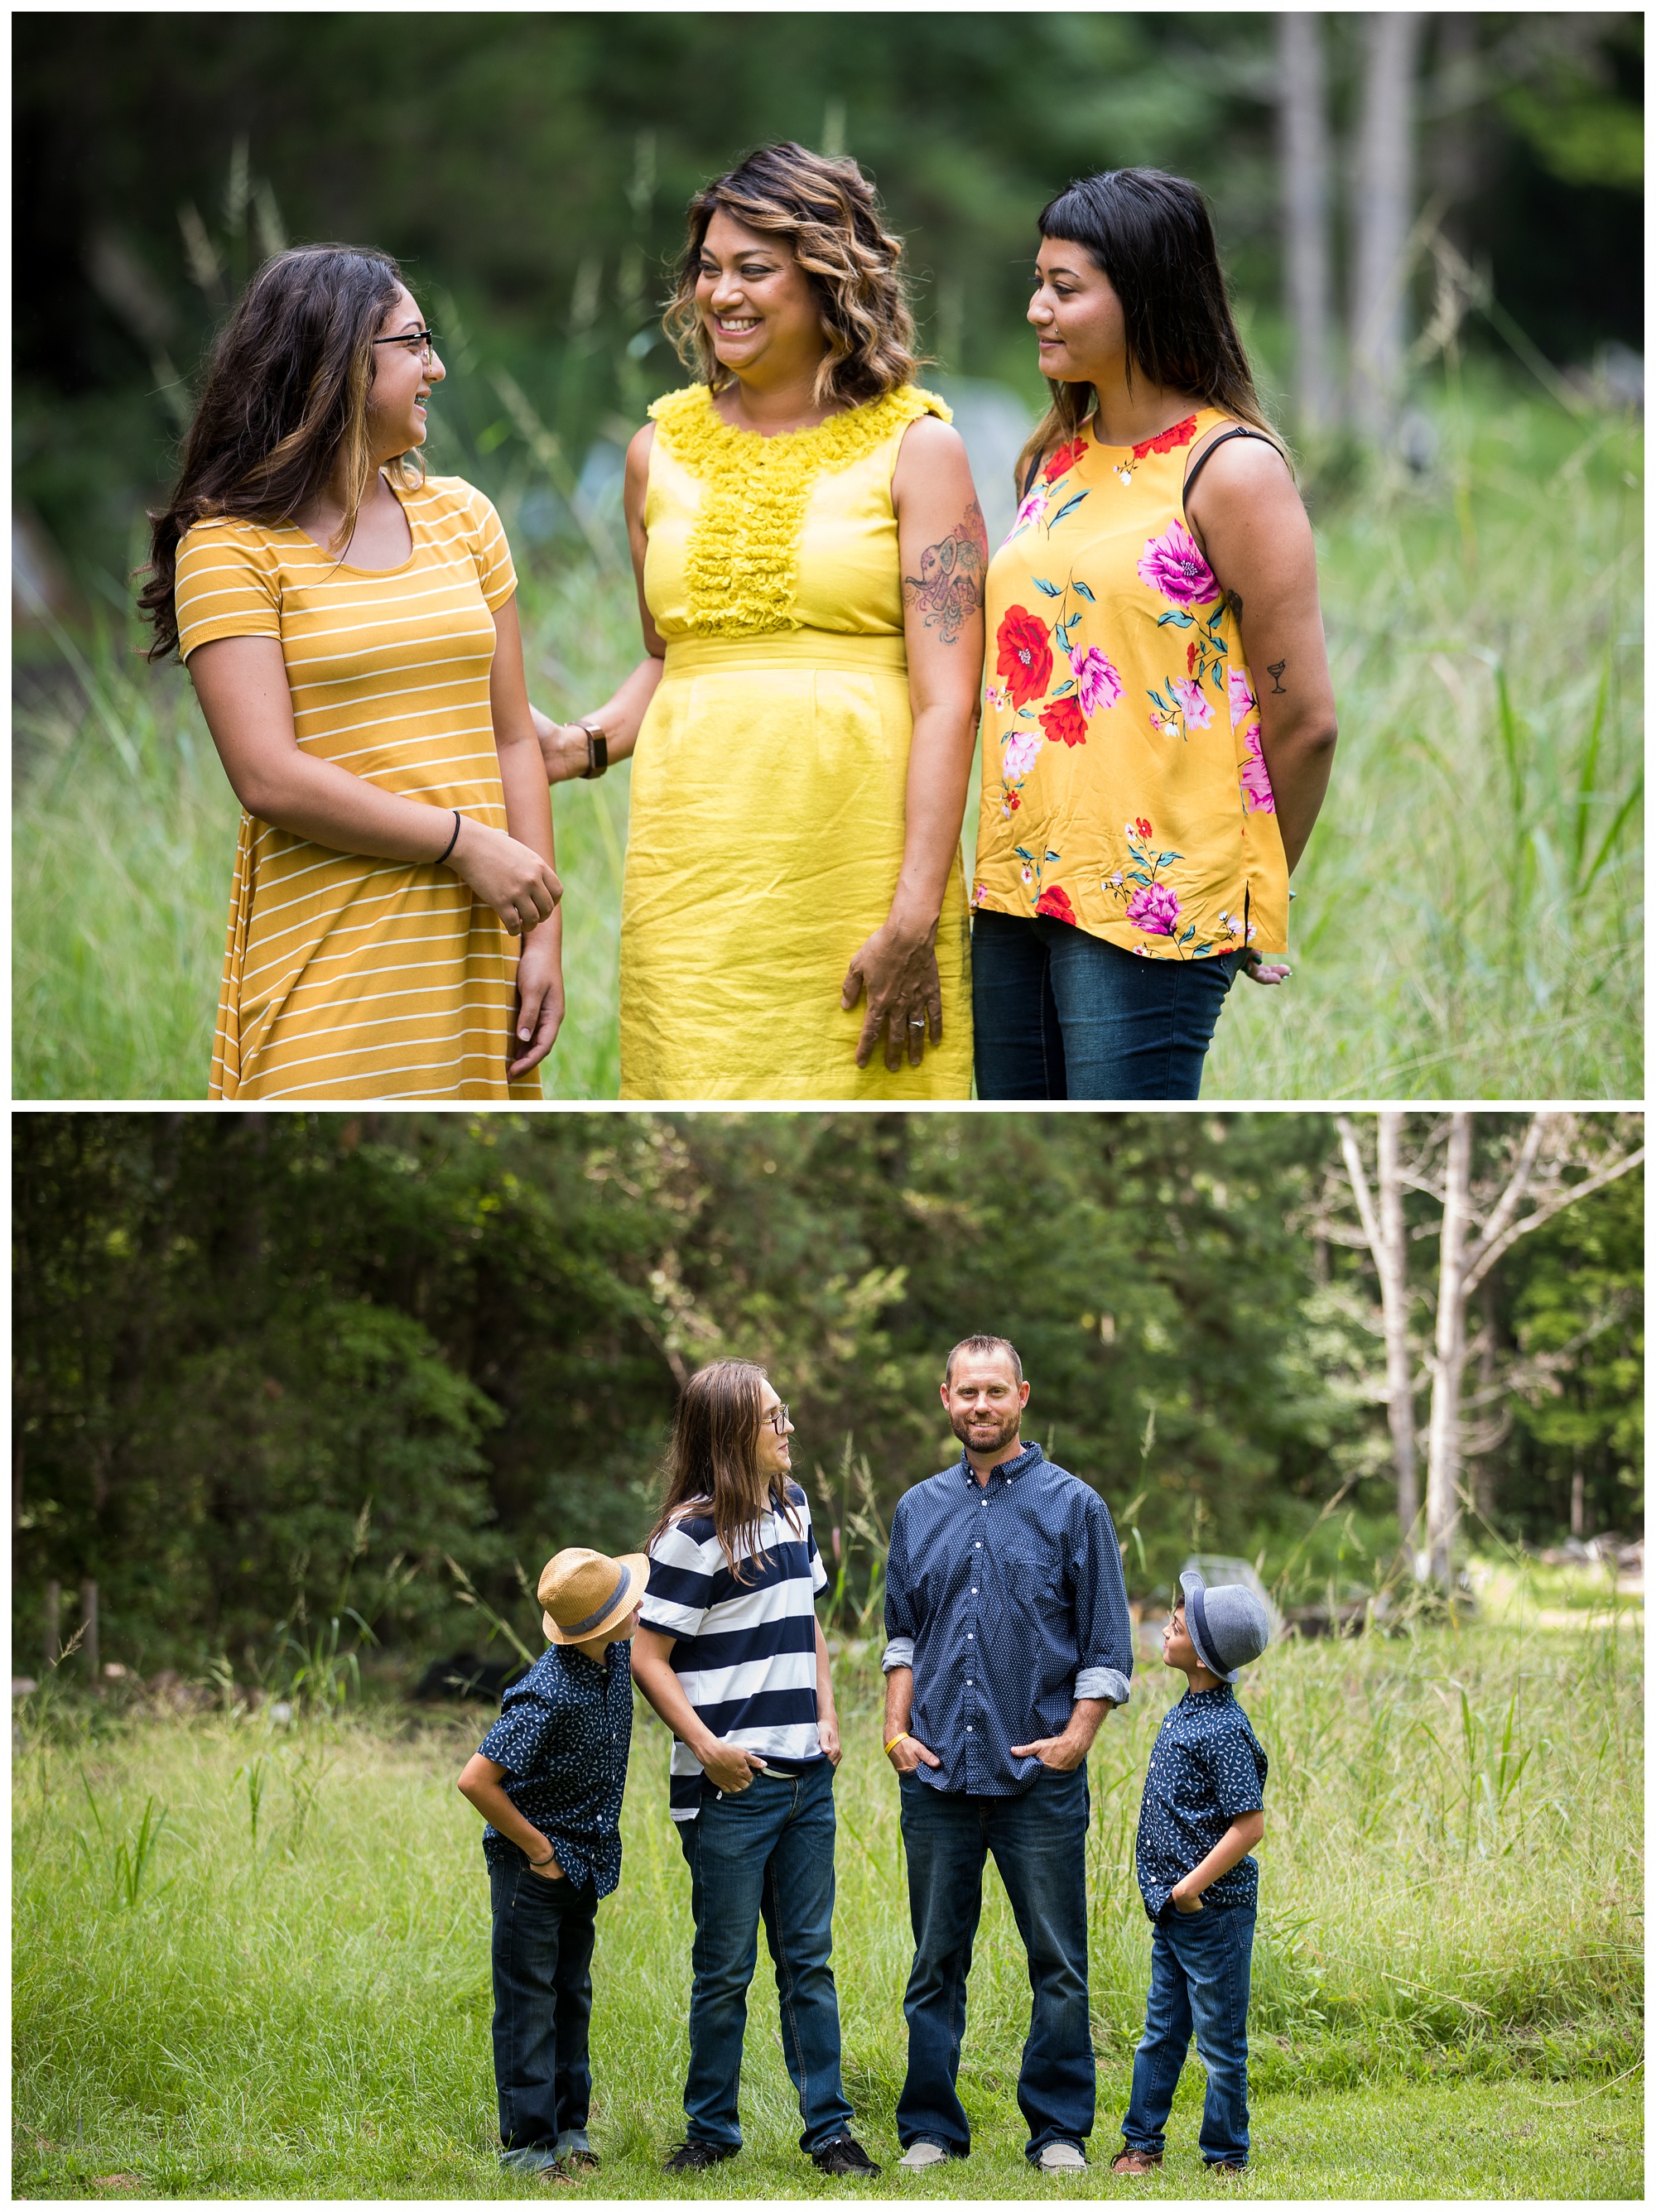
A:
(982, 1346)
(828, 215)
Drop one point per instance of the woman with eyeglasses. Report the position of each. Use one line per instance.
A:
(730, 1654)
(351, 629)
(809, 553)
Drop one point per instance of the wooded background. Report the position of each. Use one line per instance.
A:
(1372, 176)
(236, 1335)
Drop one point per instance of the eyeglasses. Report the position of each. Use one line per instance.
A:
(422, 343)
(777, 1417)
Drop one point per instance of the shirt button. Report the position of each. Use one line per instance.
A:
(968, 1728)
(969, 1636)
(974, 1589)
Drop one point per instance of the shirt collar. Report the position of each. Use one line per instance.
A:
(1019, 1465)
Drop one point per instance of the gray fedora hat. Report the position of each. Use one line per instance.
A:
(1228, 1624)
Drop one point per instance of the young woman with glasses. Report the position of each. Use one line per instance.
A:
(1158, 718)
(809, 554)
(351, 629)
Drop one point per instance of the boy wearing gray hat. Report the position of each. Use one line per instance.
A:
(1203, 1812)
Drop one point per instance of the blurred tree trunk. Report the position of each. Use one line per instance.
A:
(1383, 1229)
(1449, 1360)
(1305, 180)
(1382, 210)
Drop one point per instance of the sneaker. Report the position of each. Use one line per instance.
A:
(1224, 2169)
(1062, 2157)
(1135, 2162)
(843, 2154)
(920, 2154)
(692, 2157)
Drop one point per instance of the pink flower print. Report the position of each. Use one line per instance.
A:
(1033, 510)
(1173, 565)
(1243, 702)
(1190, 696)
(980, 893)
(1097, 682)
(1155, 909)
(1023, 750)
(1028, 875)
(1258, 797)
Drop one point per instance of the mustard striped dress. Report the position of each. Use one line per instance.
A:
(347, 977)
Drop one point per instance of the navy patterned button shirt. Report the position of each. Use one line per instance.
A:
(1207, 1768)
(1007, 1600)
(564, 1734)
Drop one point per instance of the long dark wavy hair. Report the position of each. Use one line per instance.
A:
(712, 1459)
(286, 393)
(826, 214)
(1151, 236)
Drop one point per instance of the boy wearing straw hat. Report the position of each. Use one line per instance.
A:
(1203, 1812)
(548, 1779)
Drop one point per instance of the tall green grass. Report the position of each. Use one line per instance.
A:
(250, 1959)
(1468, 922)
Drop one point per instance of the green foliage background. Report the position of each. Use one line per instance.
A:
(232, 1333)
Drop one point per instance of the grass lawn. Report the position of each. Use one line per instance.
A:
(288, 1993)
(1466, 922)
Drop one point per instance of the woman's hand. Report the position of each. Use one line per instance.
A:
(898, 971)
(828, 1737)
(1258, 969)
(562, 747)
(518, 884)
(728, 1767)
(539, 1011)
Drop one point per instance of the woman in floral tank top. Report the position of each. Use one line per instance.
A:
(1144, 797)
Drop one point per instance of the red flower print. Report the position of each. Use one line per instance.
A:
(1064, 722)
(1064, 460)
(1023, 658)
(1143, 827)
(1013, 802)
(1180, 435)
(1189, 658)
(1056, 903)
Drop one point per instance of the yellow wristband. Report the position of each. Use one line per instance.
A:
(896, 1740)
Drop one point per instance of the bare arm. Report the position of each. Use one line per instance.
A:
(242, 685)
(564, 744)
(539, 1012)
(899, 1703)
(827, 1718)
(1237, 1840)
(727, 1766)
(944, 550)
(480, 1783)
(1253, 528)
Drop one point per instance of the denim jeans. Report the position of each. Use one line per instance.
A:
(765, 1853)
(1199, 1968)
(1058, 1014)
(541, 1953)
(1038, 1843)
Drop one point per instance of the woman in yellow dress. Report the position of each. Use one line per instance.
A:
(809, 554)
(1144, 797)
(350, 627)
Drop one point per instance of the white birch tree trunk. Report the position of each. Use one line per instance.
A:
(1382, 210)
(1394, 1307)
(1306, 179)
(1443, 1435)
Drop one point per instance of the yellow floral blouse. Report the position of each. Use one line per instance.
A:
(1125, 789)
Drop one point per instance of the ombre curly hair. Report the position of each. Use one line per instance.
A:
(828, 215)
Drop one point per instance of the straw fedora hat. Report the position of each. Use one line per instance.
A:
(586, 1592)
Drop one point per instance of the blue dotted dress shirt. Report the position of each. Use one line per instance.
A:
(1007, 1600)
(563, 1734)
(1207, 1768)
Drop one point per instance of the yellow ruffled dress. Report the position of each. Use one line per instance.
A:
(768, 787)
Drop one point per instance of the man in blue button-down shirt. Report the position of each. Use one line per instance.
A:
(1009, 1640)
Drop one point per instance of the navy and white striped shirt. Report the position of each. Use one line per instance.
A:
(1008, 1601)
(745, 1652)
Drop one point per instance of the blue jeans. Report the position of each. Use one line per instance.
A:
(1199, 1968)
(541, 1952)
(1038, 1842)
(766, 1852)
(1058, 1014)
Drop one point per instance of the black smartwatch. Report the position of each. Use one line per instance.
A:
(597, 750)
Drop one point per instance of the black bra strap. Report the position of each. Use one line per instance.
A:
(1236, 430)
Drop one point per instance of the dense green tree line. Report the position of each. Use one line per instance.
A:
(233, 1334)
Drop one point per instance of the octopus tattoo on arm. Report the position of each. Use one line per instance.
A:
(949, 589)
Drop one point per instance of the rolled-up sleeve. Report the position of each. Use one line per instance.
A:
(1104, 1628)
(900, 1622)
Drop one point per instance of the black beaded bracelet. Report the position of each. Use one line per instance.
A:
(452, 841)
